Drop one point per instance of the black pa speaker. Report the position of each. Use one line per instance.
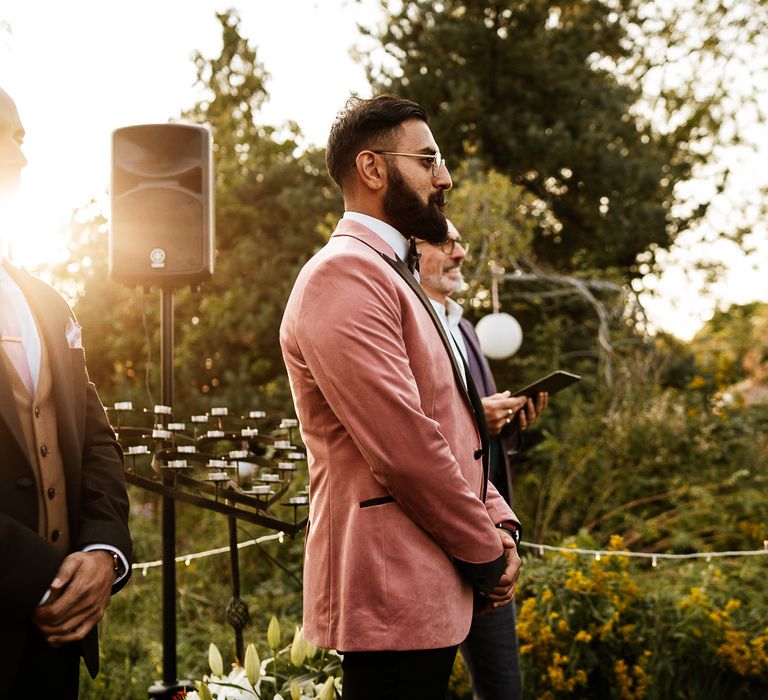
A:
(162, 231)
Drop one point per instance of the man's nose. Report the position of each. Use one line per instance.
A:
(443, 178)
(459, 252)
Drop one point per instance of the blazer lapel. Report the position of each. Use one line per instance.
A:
(469, 391)
(473, 347)
(8, 411)
(50, 322)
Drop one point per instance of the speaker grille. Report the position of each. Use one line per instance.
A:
(162, 209)
(159, 218)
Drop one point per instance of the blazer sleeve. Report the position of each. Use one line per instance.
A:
(28, 564)
(351, 339)
(103, 512)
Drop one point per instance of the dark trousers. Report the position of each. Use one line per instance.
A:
(405, 675)
(490, 653)
(44, 672)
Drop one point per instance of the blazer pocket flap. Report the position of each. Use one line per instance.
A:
(380, 501)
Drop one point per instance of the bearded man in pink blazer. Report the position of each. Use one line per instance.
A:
(405, 533)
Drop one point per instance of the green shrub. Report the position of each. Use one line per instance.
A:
(608, 628)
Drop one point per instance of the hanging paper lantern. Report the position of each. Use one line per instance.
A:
(500, 335)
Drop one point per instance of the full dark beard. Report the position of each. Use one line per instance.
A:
(410, 216)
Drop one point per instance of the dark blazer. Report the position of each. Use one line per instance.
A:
(97, 501)
(480, 370)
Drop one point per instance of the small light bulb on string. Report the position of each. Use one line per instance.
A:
(654, 562)
(187, 561)
(144, 570)
(597, 556)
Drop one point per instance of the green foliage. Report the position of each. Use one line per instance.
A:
(566, 182)
(131, 632)
(272, 202)
(655, 466)
(572, 102)
(606, 629)
(299, 670)
(271, 207)
(732, 347)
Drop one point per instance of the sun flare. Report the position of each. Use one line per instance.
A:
(33, 235)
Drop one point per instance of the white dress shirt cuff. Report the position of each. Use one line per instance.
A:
(114, 550)
(90, 548)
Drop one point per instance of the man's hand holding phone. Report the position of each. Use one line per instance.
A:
(517, 412)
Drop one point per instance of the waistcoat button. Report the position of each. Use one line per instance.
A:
(55, 535)
(51, 492)
(44, 450)
(37, 411)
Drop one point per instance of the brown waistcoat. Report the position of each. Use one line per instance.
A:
(38, 420)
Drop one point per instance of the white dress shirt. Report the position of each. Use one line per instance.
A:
(30, 338)
(450, 314)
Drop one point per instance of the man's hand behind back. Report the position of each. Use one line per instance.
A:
(504, 591)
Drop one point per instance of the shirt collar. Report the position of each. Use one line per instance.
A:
(5, 277)
(450, 312)
(454, 311)
(389, 234)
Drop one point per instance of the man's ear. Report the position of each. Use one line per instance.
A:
(371, 170)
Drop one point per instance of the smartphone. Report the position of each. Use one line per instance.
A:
(551, 383)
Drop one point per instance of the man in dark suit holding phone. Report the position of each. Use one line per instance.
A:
(64, 540)
(490, 650)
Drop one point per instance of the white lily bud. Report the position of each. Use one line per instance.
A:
(204, 691)
(252, 664)
(327, 692)
(215, 661)
(295, 690)
(298, 648)
(273, 634)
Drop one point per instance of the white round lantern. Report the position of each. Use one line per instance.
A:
(500, 335)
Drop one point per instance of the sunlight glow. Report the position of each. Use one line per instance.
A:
(35, 232)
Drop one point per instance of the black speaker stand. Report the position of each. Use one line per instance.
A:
(168, 688)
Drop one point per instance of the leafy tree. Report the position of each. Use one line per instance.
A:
(574, 321)
(732, 349)
(271, 207)
(603, 109)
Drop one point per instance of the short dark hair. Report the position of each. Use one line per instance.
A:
(366, 124)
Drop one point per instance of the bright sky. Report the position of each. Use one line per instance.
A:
(79, 69)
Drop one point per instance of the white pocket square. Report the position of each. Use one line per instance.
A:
(74, 334)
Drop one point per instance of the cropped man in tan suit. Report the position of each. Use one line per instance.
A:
(404, 525)
(64, 541)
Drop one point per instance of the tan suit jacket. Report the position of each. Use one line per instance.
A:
(396, 481)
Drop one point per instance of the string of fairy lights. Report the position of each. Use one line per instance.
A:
(655, 557)
(597, 554)
(144, 566)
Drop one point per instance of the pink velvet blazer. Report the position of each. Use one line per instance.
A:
(394, 482)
